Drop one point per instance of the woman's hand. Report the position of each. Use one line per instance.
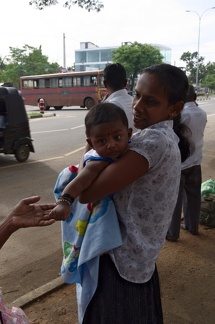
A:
(27, 214)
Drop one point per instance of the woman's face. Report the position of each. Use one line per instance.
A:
(150, 104)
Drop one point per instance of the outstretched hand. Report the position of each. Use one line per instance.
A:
(27, 214)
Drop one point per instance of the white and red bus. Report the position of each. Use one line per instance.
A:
(84, 89)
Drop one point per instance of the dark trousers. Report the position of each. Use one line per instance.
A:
(189, 198)
(118, 301)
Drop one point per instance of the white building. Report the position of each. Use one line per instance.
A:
(92, 57)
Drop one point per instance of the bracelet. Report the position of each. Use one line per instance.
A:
(61, 200)
(67, 197)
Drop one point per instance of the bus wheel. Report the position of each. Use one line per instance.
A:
(58, 107)
(22, 153)
(89, 103)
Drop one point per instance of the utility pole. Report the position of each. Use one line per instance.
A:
(197, 63)
(64, 51)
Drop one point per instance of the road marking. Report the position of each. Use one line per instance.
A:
(44, 160)
(58, 130)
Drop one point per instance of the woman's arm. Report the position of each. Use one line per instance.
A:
(116, 176)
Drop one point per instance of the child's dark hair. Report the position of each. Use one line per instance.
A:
(176, 85)
(104, 112)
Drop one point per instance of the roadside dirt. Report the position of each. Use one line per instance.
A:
(187, 278)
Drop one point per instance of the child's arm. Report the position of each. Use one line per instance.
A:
(85, 177)
(80, 183)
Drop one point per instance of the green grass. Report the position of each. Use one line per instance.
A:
(34, 114)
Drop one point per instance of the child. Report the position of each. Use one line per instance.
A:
(108, 134)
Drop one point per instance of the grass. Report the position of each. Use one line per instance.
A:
(34, 114)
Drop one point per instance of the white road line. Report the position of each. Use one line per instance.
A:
(58, 130)
(44, 160)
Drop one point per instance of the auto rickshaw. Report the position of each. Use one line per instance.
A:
(15, 135)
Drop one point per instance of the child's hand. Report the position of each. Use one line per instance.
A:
(60, 212)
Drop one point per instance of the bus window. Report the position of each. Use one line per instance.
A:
(42, 83)
(60, 83)
(68, 82)
(101, 81)
(35, 83)
(53, 82)
(86, 81)
(89, 80)
(27, 84)
(94, 80)
(76, 81)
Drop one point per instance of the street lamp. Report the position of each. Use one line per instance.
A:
(197, 63)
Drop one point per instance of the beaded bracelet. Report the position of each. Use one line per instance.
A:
(61, 200)
(66, 197)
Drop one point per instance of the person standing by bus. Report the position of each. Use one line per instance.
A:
(115, 82)
(191, 175)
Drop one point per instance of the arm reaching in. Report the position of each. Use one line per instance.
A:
(25, 214)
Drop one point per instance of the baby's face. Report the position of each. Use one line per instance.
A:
(110, 139)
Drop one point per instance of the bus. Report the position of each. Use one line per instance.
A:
(84, 89)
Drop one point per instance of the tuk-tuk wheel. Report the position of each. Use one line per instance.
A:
(22, 153)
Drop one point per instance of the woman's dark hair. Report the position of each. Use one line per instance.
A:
(173, 79)
(176, 85)
(104, 112)
(186, 145)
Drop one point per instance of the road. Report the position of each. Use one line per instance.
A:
(58, 142)
(32, 257)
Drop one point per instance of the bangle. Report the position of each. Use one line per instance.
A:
(61, 200)
(67, 198)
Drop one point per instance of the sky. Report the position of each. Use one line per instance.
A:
(163, 22)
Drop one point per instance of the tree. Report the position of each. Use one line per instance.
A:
(135, 58)
(2, 66)
(191, 65)
(86, 4)
(26, 61)
(209, 80)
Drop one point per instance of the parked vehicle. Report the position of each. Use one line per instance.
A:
(15, 135)
(58, 90)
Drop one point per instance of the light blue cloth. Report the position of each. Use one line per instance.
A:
(85, 236)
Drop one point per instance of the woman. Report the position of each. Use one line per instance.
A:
(146, 183)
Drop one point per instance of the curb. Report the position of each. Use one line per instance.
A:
(42, 115)
(202, 99)
(38, 293)
(48, 114)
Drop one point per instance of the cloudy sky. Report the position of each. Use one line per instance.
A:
(163, 22)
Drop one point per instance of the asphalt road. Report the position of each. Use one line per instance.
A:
(58, 142)
(32, 257)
